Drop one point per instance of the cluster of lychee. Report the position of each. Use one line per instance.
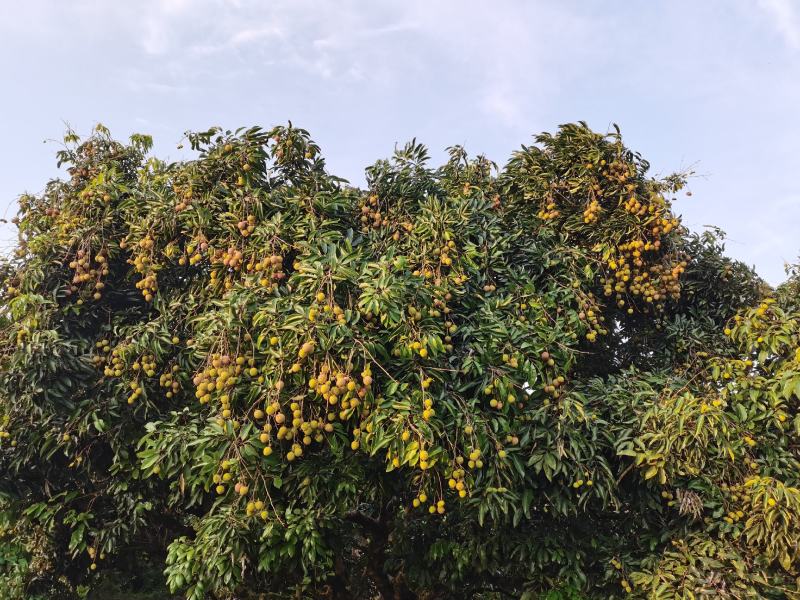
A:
(654, 283)
(247, 225)
(457, 482)
(144, 266)
(330, 310)
(231, 258)
(371, 216)
(102, 347)
(590, 214)
(497, 402)
(94, 555)
(636, 207)
(269, 270)
(116, 366)
(220, 375)
(554, 382)
(618, 170)
(186, 200)
(437, 507)
(146, 364)
(136, 392)
(339, 387)
(445, 252)
(591, 316)
(194, 253)
(84, 272)
(169, 382)
(549, 212)
(4, 433)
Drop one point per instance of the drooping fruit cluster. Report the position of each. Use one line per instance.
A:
(86, 273)
(247, 226)
(169, 382)
(549, 211)
(458, 482)
(371, 215)
(117, 364)
(330, 310)
(186, 197)
(231, 258)
(269, 270)
(337, 387)
(195, 252)
(590, 215)
(218, 378)
(99, 359)
(144, 265)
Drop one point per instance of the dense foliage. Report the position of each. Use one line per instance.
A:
(460, 382)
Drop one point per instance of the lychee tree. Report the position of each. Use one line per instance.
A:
(462, 381)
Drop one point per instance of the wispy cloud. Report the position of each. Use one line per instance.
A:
(785, 19)
(249, 35)
(502, 104)
(680, 77)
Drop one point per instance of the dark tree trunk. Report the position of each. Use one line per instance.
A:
(377, 532)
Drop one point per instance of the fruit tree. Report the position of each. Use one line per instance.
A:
(463, 381)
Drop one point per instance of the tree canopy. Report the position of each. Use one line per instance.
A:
(463, 381)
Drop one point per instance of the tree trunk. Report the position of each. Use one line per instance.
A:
(377, 532)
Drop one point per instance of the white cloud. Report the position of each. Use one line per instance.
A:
(688, 78)
(785, 19)
(249, 35)
(502, 104)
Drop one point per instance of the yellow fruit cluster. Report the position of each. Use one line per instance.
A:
(85, 272)
(298, 428)
(618, 170)
(220, 375)
(144, 265)
(458, 483)
(224, 476)
(474, 459)
(498, 403)
(634, 206)
(136, 392)
(168, 381)
(632, 275)
(437, 507)
(549, 212)
(247, 226)
(92, 552)
(427, 403)
(186, 199)
(444, 253)
(103, 347)
(330, 310)
(590, 214)
(194, 252)
(337, 387)
(594, 321)
(148, 286)
(511, 360)
(117, 365)
(256, 508)
(269, 270)
(147, 364)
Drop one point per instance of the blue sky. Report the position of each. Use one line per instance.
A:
(711, 85)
